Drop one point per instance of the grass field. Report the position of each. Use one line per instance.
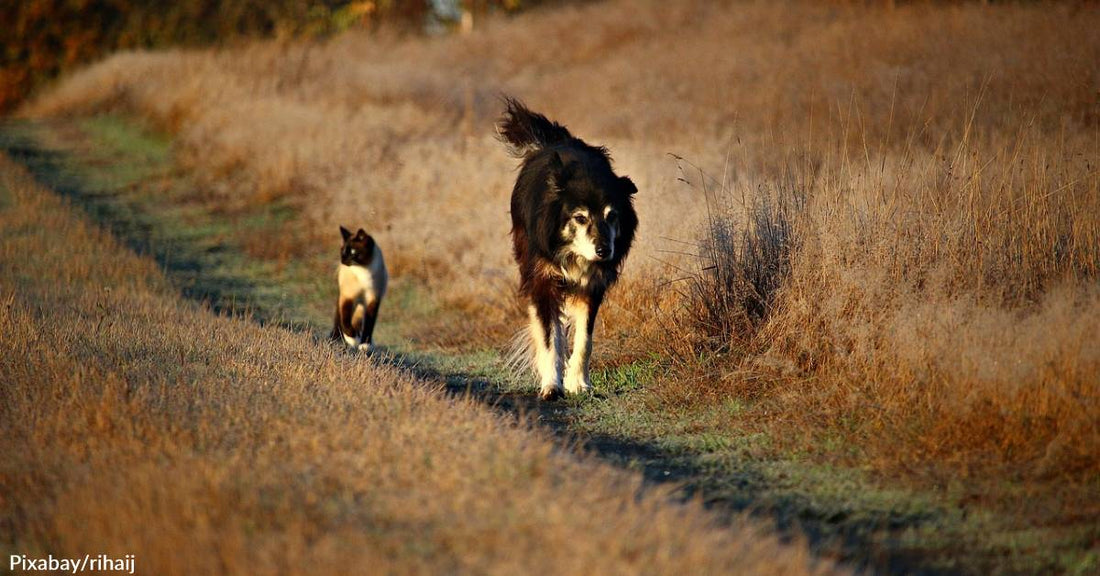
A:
(869, 247)
(136, 422)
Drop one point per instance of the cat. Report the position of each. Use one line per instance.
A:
(362, 278)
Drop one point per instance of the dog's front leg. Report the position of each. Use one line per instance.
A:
(546, 331)
(582, 314)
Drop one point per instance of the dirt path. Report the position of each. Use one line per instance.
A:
(206, 272)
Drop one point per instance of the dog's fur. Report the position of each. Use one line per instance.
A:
(362, 278)
(573, 222)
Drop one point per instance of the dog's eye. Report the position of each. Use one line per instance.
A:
(612, 217)
(580, 219)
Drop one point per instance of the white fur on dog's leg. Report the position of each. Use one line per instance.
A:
(367, 347)
(547, 360)
(577, 380)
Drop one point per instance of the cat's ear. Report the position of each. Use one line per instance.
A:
(345, 233)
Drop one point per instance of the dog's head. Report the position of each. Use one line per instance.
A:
(358, 248)
(591, 208)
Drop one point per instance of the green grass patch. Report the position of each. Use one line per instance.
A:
(130, 142)
(627, 377)
(124, 175)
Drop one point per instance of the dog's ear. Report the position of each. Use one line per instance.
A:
(627, 186)
(554, 163)
(547, 227)
(556, 170)
(345, 233)
(361, 233)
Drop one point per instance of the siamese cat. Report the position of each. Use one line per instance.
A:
(362, 278)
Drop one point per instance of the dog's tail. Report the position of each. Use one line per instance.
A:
(524, 131)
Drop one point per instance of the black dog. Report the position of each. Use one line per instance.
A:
(573, 221)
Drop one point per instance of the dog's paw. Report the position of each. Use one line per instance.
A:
(577, 383)
(366, 347)
(550, 394)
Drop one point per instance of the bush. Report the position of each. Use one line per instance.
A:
(744, 259)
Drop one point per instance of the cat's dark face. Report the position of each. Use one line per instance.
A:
(358, 248)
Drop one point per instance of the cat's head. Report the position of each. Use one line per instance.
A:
(358, 248)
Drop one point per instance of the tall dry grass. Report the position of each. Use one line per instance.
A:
(134, 422)
(950, 318)
(938, 303)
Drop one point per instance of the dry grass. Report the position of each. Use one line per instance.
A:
(941, 303)
(133, 422)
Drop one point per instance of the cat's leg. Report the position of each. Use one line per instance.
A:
(349, 328)
(370, 316)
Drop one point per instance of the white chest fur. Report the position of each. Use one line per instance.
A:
(366, 283)
(578, 271)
